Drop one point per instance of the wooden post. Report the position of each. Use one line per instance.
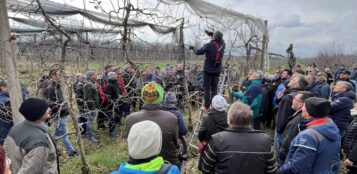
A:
(7, 51)
(264, 48)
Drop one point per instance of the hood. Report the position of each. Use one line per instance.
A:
(348, 94)
(4, 97)
(166, 106)
(220, 118)
(145, 168)
(326, 127)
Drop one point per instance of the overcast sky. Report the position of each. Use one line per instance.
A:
(309, 24)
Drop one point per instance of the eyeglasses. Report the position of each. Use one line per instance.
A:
(8, 160)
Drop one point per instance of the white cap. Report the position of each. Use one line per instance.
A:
(219, 103)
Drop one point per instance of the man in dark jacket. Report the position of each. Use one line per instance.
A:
(152, 95)
(29, 144)
(6, 121)
(323, 86)
(329, 75)
(53, 95)
(214, 51)
(345, 76)
(113, 93)
(350, 148)
(342, 103)
(297, 83)
(338, 72)
(239, 148)
(91, 99)
(292, 129)
(316, 148)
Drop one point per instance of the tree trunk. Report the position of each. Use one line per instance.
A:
(7, 51)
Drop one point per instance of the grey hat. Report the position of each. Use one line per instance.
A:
(170, 97)
(111, 75)
(3, 82)
(89, 74)
(219, 103)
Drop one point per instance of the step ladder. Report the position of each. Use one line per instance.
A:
(221, 87)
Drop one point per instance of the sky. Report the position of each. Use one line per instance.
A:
(311, 25)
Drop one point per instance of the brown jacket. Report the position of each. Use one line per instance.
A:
(31, 149)
(168, 124)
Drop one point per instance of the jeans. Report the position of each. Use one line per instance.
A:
(277, 140)
(5, 126)
(61, 129)
(210, 85)
(90, 116)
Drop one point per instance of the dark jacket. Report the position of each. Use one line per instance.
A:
(215, 122)
(91, 95)
(127, 77)
(239, 150)
(181, 121)
(340, 109)
(350, 142)
(53, 95)
(285, 110)
(112, 90)
(289, 134)
(323, 90)
(315, 150)
(31, 149)
(210, 50)
(168, 124)
(314, 89)
(6, 121)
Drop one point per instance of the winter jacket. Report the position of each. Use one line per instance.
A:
(289, 134)
(252, 96)
(31, 149)
(210, 65)
(168, 124)
(6, 121)
(91, 95)
(314, 89)
(315, 150)
(340, 109)
(215, 122)
(350, 142)
(151, 167)
(112, 90)
(238, 150)
(53, 95)
(337, 74)
(181, 121)
(323, 90)
(285, 110)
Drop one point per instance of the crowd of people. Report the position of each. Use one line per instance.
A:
(309, 112)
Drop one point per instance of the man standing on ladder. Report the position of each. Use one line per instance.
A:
(214, 51)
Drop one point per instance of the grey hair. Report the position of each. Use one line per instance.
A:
(259, 74)
(348, 86)
(239, 115)
(89, 74)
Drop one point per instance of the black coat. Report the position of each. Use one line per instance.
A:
(350, 142)
(53, 95)
(215, 122)
(289, 134)
(112, 90)
(91, 95)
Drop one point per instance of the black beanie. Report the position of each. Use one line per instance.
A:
(317, 107)
(218, 36)
(33, 108)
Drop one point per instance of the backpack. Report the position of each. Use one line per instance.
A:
(165, 168)
(218, 47)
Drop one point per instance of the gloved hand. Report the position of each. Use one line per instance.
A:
(191, 47)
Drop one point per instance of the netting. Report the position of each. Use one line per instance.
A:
(58, 9)
(225, 17)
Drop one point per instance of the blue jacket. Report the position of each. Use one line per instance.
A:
(340, 109)
(337, 74)
(210, 50)
(181, 122)
(124, 169)
(314, 89)
(324, 90)
(315, 150)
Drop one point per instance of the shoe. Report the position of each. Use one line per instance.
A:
(92, 140)
(73, 153)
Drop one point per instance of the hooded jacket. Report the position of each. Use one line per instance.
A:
(350, 142)
(210, 50)
(181, 121)
(315, 150)
(324, 90)
(215, 122)
(340, 109)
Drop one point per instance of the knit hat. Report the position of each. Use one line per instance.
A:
(144, 140)
(111, 75)
(219, 103)
(152, 93)
(218, 36)
(33, 108)
(317, 107)
(170, 97)
(346, 72)
(322, 74)
(89, 74)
